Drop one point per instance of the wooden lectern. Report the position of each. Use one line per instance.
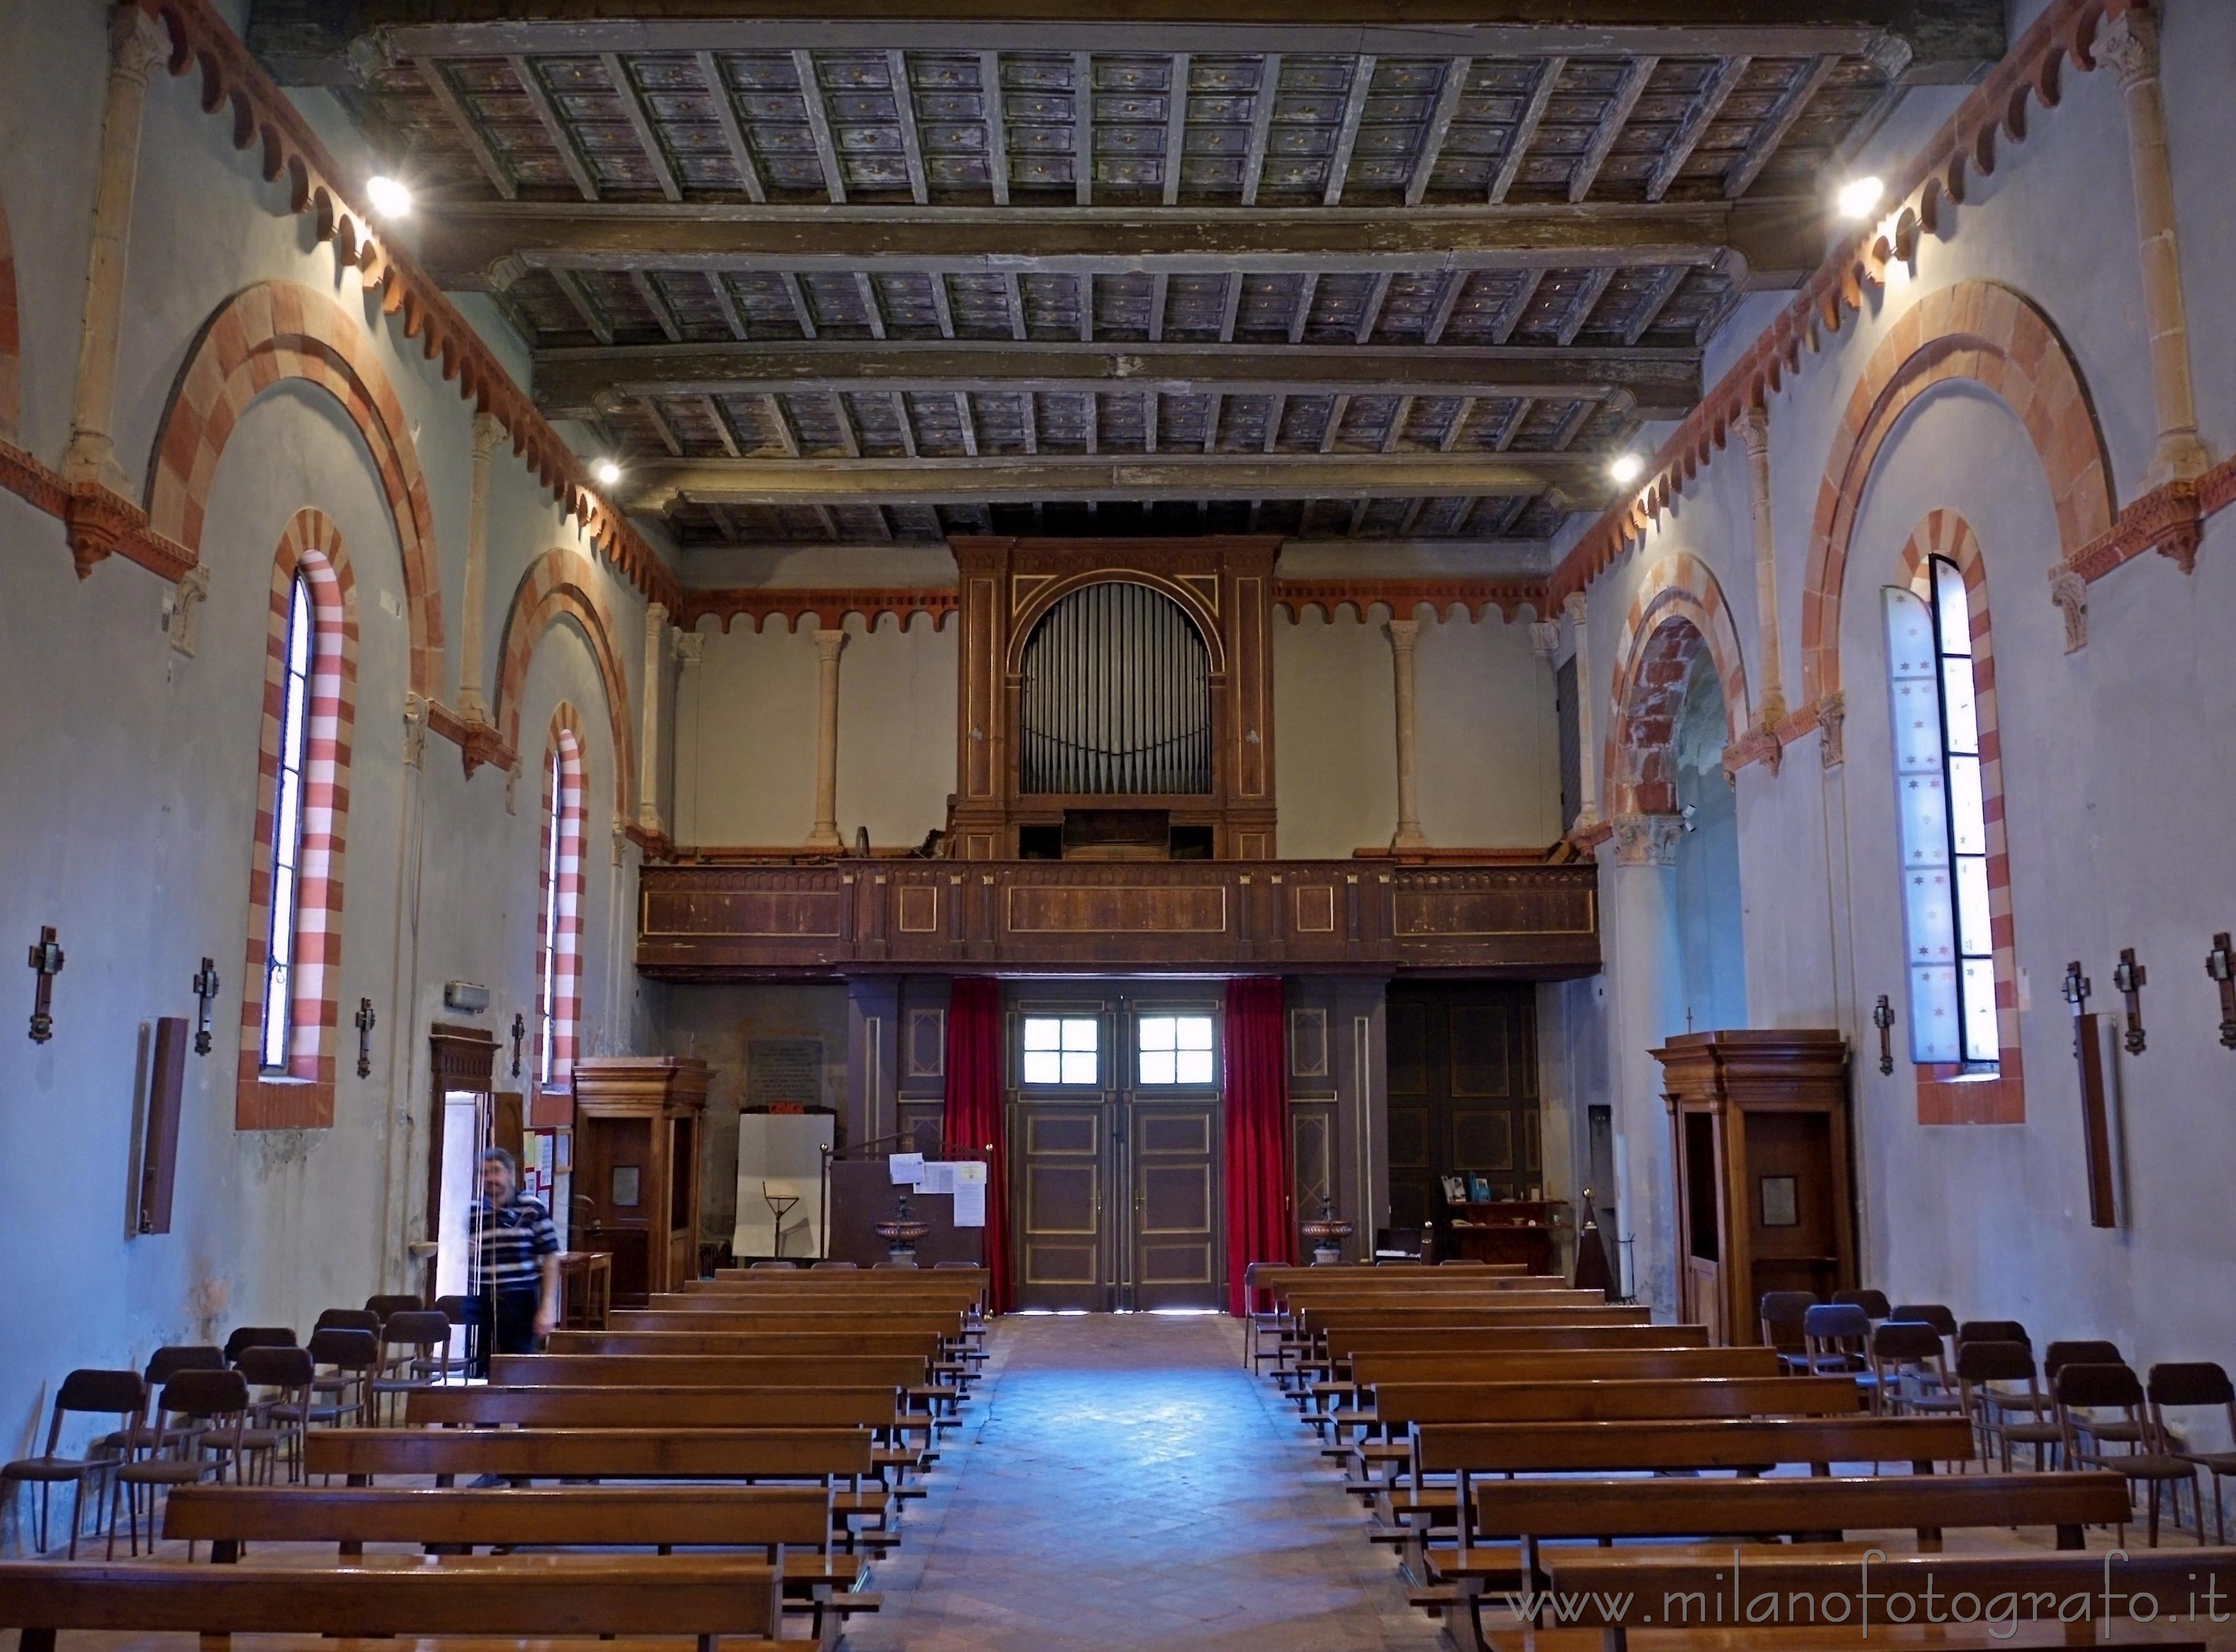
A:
(1759, 1136)
(637, 1123)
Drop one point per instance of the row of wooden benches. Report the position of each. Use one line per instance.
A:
(1438, 1397)
(779, 1473)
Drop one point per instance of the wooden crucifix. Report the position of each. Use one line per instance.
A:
(1883, 1018)
(47, 960)
(365, 1020)
(2095, 1109)
(205, 985)
(2130, 978)
(2219, 963)
(519, 1033)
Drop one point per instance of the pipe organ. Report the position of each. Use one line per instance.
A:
(1116, 698)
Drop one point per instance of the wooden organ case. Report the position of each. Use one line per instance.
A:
(1003, 810)
(1760, 1146)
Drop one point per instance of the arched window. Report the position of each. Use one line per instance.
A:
(1949, 815)
(289, 1009)
(559, 906)
(274, 1043)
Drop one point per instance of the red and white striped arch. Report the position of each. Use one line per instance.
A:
(303, 1096)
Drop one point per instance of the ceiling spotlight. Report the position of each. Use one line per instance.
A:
(1626, 468)
(390, 199)
(607, 472)
(1858, 196)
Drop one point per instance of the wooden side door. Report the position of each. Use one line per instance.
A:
(1061, 1151)
(1463, 1093)
(1174, 1152)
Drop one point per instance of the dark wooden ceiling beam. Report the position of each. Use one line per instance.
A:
(309, 42)
(1661, 384)
(492, 244)
(653, 483)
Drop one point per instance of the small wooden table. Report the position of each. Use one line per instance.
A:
(586, 1289)
(1508, 1230)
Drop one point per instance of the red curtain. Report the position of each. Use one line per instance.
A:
(1259, 1225)
(974, 1113)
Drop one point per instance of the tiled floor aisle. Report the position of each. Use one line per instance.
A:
(1126, 1484)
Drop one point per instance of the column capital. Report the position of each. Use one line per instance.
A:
(689, 647)
(1646, 840)
(1575, 608)
(1403, 633)
(1545, 639)
(1753, 426)
(655, 615)
(487, 433)
(2129, 44)
(828, 643)
(136, 45)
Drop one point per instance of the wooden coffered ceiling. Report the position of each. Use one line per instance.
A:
(871, 270)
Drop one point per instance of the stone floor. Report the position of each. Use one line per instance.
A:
(1124, 1483)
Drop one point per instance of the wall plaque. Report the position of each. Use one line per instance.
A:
(784, 1070)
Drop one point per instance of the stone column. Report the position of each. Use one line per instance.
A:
(473, 703)
(690, 648)
(827, 647)
(1754, 431)
(136, 46)
(648, 770)
(2130, 45)
(1403, 635)
(1588, 746)
(1645, 988)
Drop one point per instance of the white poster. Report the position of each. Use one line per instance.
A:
(938, 1177)
(907, 1169)
(969, 1176)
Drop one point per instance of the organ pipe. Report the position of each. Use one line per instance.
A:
(1116, 696)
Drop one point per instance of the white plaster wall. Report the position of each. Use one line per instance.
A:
(127, 774)
(2115, 791)
(746, 735)
(1487, 757)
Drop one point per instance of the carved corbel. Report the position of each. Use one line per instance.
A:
(415, 728)
(185, 604)
(2070, 592)
(1832, 720)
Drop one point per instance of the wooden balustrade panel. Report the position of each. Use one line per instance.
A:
(728, 922)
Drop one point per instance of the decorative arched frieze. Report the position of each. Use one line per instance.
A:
(560, 581)
(262, 335)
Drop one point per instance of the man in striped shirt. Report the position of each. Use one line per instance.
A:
(516, 1257)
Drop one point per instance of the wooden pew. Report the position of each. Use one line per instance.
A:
(699, 1370)
(828, 1455)
(2174, 1586)
(1466, 1451)
(630, 1595)
(754, 1317)
(775, 1344)
(1563, 1364)
(1400, 1404)
(858, 1406)
(878, 1409)
(1344, 1340)
(1513, 1518)
(794, 1522)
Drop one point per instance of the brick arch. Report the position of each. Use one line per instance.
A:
(1678, 611)
(563, 582)
(276, 330)
(559, 899)
(11, 339)
(302, 1097)
(1994, 337)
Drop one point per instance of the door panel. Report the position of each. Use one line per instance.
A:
(1060, 1233)
(1175, 1237)
(1462, 1094)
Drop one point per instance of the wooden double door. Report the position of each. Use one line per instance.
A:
(1463, 1093)
(1115, 1172)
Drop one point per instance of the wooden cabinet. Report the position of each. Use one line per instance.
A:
(1508, 1230)
(1759, 1146)
(637, 1124)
